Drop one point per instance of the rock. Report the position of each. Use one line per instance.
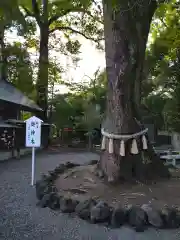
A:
(77, 191)
(45, 177)
(68, 205)
(170, 217)
(137, 218)
(41, 185)
(60, 169)
(101, 212)
(83, 209)
(119, 217)
(54, 201)
(44, 201)
(53, 188)
(49, 178)
(69, 165)
(154, 217)
(50, 200)
(52, 175)
(43, 188)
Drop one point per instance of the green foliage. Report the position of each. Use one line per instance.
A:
(62, 112)
(165, 34)
(54, 73)
(83, 107)
(172, 115)
(155, 103)
(70, 18)
(27, 30)
(92, 89)
(10, 15)
(19, 69)
(91, 117)
(163, 60)
(26, 115)
(73, 46)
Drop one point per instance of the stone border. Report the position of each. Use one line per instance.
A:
(91, 210)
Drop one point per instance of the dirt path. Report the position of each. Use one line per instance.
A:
(20, 219)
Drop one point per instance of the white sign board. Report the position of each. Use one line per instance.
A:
(33, 139)
(33, 132)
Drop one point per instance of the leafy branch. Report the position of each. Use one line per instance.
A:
(35, 14)
(63, 13)
(67, 28)
(78, 10)
(28, 13)
(36, 11)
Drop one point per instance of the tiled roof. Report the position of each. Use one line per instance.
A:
(9, 93)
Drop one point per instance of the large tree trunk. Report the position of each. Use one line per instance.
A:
(1, 52)
(3, 59)
(126, 28)
(42, 82)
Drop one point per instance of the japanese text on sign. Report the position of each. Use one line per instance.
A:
(33, 132)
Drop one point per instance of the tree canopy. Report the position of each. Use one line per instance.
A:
(65, 21)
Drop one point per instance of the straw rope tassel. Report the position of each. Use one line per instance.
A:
(111, 147)
(122, 148)
(103, 144)
(134, 148)
(144, 142)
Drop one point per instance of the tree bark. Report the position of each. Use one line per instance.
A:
(3, 59)
(42, 82)
(126, 28)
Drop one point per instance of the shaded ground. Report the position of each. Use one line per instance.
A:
(81, 183)
(20, 219)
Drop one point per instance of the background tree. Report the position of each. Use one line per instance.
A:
(62, 111)
(10, 16)
(69, 17)
(163, 60)
(91, 120)
(54, 78)
(19, 68)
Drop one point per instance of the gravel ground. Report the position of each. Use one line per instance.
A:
(20, 219)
